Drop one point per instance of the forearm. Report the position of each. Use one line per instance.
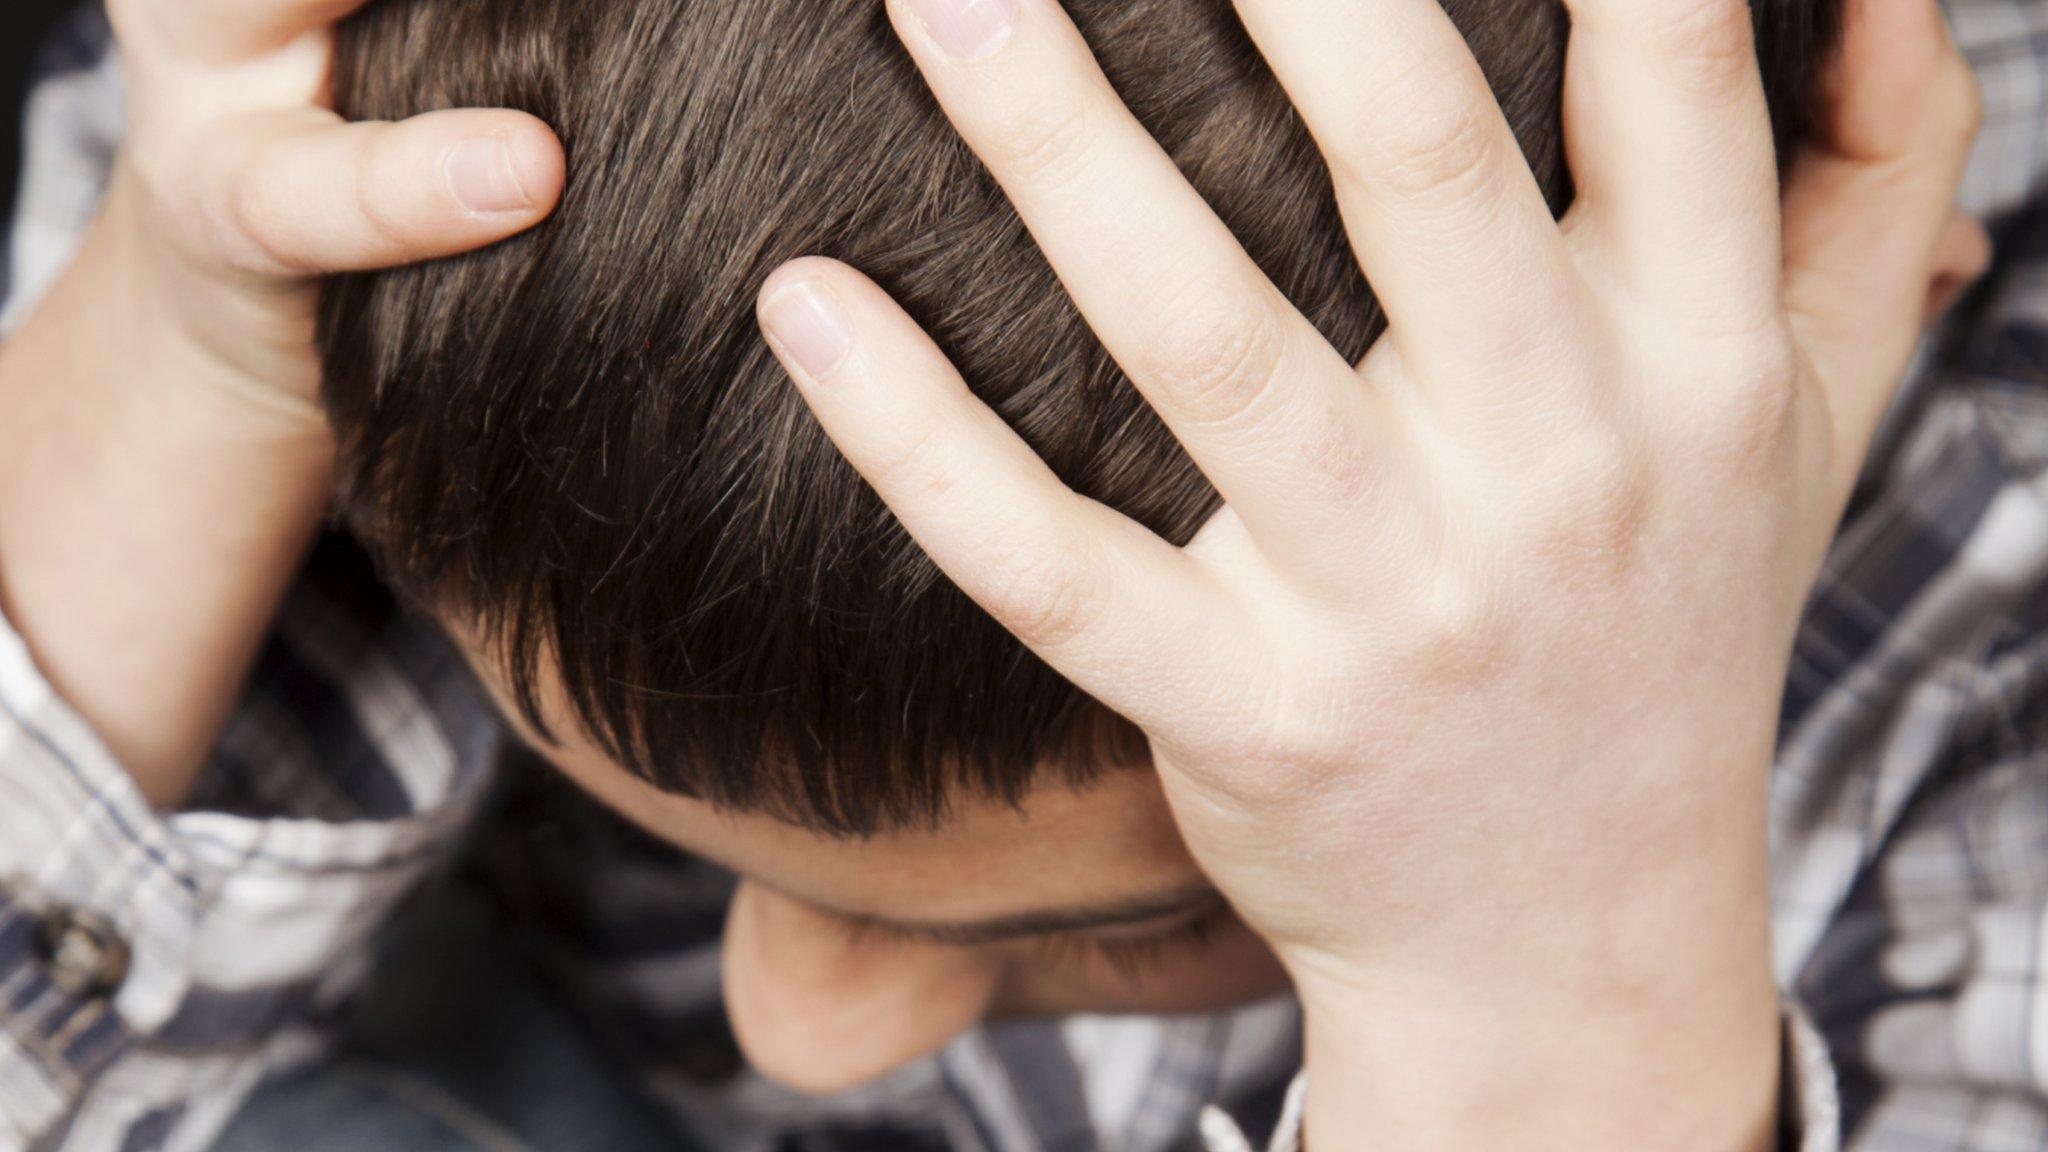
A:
(150, 517)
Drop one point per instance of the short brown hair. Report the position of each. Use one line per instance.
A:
(578, 440)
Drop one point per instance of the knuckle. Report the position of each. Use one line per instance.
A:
(1752, 403)
(1703, 41)
(1431, 144)
(1459, 634)
(1290, 762)
(375, 170)
(1592, 510)
(1963, 101)
(1345, 463)
(1050, 592)
(1046, 146)
(1216, 357)
(1290, 743)
(914, 460)
(1948, 116)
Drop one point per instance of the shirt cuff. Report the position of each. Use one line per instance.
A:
(202, 934)
(1220, 1133)
(1809, 1103)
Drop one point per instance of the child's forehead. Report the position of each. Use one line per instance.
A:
(1107, 849)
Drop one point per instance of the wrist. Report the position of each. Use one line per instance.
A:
(104, 392)
(1635, 1010)
(1678, 1056)
(153, 510)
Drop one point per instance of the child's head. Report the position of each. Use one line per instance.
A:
(576, 449)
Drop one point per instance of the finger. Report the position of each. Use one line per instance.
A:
(1669, 137)
(303, 194)
(223, 31)
(1867, 212)
(1236, 372)
(1442, 209)
(1961, 258)
(1102, 600)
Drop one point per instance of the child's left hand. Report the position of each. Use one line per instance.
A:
(1468, 699)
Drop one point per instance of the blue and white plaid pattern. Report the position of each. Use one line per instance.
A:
(1910, 814)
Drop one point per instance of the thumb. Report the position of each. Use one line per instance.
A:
(305, 194)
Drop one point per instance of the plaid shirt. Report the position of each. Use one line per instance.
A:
(1910, 810)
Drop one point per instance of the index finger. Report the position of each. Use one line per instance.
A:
(1100, 598)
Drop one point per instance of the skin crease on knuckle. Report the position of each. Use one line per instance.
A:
(1588, 518)
(1351, 473)
(1047, 143)
(1710, 44)
(1217, 356)
(921, 457)
(1432, 144)
(1051, 587)
(1746, 414)
(380, 169)
(1280, 734)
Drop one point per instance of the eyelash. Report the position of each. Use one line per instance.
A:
(1128, 958)
(1131, 958)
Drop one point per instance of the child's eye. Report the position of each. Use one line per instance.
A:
(1131, 957)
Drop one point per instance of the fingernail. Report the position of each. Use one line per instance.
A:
(967, 29)
(807, 320)
(481, 174)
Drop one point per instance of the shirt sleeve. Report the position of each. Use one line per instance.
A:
(1927, 1026)
(1809, 1103)
(154, 967)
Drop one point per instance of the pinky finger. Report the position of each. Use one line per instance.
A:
(1108, 604)
(1963, 255)
(1869, 214)
(305, 194)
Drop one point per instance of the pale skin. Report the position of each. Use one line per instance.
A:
(165, 392)
(1464, 705)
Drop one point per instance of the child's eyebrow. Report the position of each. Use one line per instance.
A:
(1180, 904)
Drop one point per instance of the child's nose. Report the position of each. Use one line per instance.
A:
(820, 1011)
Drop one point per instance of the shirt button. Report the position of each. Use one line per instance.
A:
(82, 953)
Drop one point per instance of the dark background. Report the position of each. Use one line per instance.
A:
(22, 25)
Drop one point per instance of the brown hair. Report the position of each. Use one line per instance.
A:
(578, 440)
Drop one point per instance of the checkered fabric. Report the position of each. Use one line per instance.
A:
(1910, 811)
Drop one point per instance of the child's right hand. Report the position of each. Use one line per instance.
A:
(159, 410)
(238, 187)
(1468, 699)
